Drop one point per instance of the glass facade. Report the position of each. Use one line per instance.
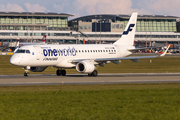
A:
(33, 23)
(154, 25)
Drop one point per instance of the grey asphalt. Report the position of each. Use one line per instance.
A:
(11, 80)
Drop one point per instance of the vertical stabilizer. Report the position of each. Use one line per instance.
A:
(44, 38)
(127, 37)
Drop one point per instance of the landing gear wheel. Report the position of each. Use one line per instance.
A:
(58, 72)
(63, 72)
(89, 74)
(26, 74)
(94, 73)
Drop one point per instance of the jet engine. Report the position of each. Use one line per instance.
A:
(85, 67)
(38, 69)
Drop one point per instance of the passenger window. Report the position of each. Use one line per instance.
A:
(103, 50)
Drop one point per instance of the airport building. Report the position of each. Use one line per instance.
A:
(151, 30)
(30, 27)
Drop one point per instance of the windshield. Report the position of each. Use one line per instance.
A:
(22, 51)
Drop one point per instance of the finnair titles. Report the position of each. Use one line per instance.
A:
(85, 58)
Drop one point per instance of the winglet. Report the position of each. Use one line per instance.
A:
(165, 52)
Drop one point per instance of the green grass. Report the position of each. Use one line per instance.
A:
(91, 102)
(158, 65)
(99, 102)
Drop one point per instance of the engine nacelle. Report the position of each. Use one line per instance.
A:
(85, 67)
(37, 69)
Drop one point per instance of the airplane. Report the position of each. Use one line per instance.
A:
(85, 58)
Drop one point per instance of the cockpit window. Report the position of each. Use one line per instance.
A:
(27, 51)
(22, 51)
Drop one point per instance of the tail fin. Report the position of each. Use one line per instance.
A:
(44, 38)
(17, 46)
(128, 35)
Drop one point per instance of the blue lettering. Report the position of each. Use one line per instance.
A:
(55, 52)
(65, 52)
(60, 52)
(73, 51)
(45, 52)
(50, 52)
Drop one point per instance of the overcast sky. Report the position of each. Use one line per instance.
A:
(89, 7)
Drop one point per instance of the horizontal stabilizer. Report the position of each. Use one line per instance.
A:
(165, 52)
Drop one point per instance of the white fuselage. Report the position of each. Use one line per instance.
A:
(62, 55)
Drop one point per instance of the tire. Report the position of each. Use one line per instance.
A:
(94, 73)
(89, 74)
(58, 72)
(63, 72)
(26, 74)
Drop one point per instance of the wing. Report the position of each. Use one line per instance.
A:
(143, 48)
(114, 60)
(135, 59)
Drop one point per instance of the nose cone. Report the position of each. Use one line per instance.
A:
(13, 61)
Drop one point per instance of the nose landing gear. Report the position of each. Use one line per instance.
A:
(26, 74)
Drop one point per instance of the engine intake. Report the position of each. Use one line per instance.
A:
(85, 67)
(38, 69)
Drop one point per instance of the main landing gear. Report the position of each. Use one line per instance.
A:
(94, 73)
(61, 72)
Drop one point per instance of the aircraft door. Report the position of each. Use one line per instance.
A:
(38, 52)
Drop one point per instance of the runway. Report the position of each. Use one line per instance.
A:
(11, 80)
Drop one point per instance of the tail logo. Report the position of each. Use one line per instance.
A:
(44, 38)
(129, 29)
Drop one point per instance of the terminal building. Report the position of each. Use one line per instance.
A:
(30, 27)
(151, 30)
